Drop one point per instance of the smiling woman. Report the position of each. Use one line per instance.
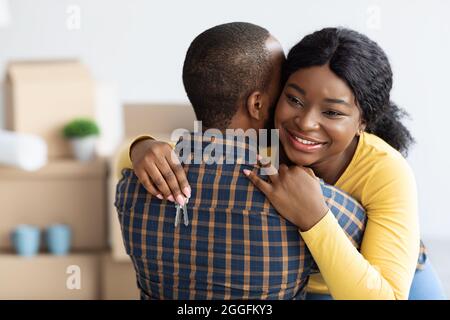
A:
(336, 118)
(318, 118)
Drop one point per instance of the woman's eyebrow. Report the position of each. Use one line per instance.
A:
(339, 101)
(329, 100)
(296, 87)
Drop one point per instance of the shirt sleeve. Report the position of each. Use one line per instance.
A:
(385, 266)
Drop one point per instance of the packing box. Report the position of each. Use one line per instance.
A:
(64, 191)
(75, 276)
(157, 119)
(118, 279)
(42, 96)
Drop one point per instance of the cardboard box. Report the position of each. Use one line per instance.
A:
(64, 191)
(157, 118)
(50, 277)
(42, 96)
(118, 280)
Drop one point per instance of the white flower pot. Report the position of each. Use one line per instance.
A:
(84, 148)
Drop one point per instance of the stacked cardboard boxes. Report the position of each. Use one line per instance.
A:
(65, 191)
(41, 97)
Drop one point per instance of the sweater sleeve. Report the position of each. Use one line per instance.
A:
(123, 159)
(385, 266)
(136, 140)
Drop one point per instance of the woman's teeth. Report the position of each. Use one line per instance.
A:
(305, 141)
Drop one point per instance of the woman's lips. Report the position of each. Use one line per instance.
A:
(303, 145)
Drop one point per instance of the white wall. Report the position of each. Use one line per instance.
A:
(140, 46)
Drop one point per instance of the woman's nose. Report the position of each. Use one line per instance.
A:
(307, 121)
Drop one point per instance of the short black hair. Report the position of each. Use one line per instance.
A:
(224, 65)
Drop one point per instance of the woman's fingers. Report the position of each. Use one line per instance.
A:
(170, 178)
(159, 181)
(310, 172)
(147, 183)
(180, 175)
(262, 185)
(267, 168)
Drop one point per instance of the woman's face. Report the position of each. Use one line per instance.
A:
(317, 117)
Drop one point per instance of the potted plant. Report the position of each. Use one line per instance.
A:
(82, 134)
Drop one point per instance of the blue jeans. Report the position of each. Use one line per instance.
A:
(425, 286)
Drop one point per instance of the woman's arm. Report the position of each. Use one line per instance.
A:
(385, 267)
(157, 168)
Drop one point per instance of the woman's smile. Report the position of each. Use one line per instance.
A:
(318, 120)
(303, 143)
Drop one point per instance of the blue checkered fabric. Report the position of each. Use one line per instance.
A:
(236, 245)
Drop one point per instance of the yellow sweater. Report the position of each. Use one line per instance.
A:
(382, 181)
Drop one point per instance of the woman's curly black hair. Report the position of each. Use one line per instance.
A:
(364, 66)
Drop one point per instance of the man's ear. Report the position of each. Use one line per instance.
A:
(255, 104)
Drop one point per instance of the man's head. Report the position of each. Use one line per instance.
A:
(232, 75)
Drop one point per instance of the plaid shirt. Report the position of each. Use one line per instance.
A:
(236, 245)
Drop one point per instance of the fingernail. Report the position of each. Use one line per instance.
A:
(187, 191)
(170, 198)
(180, 200)
(159, 196)
(246, 172)
(262, 160)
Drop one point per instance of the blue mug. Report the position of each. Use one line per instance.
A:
(59, 237)
(26, 240)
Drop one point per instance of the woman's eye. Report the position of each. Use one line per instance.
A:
(294, 100)
(332, 113)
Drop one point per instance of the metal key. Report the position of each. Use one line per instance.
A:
(185, 214)
(177, 215)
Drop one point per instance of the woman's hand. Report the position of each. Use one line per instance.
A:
(159, 170)
(295, 193)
